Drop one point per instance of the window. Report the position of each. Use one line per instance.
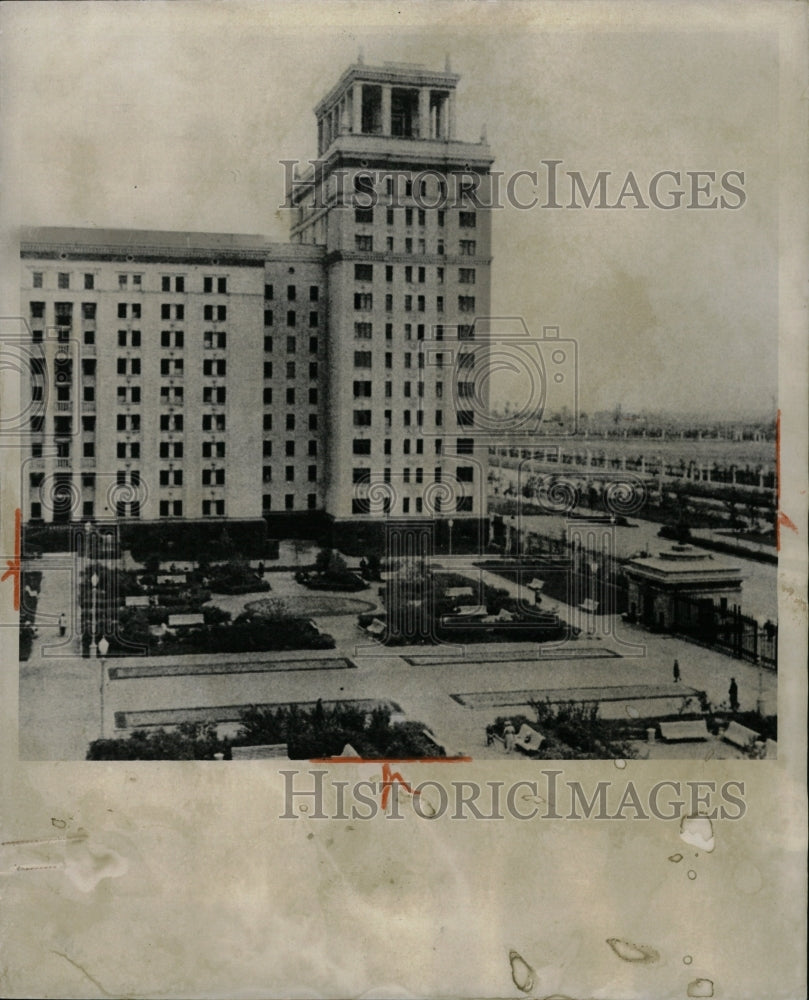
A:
(313, 345)
(268, 292)
(361, 446)
(290, 369)
(171, 338)
(362, 359)
(466, 303)
(363, 272)
(314, 293)
(389, 218)
(215, 340)
(466, 418)
(420, 303)
(221, 286)
(291, 345)
(408, 245)
(439, 275)
(422, 217)
(439, 247)
(213, 394)
(214, 367)
(388, 359)
(389, 331)
(440, 216)
(359, 505)
(422, 275)
(362, 418)
(312, 422)
(464, 446)
(467, 248)
(363, 330)
(268, 369)
(388, 272)
(467, 220)
(63, 280)
(363, 215)
(408, 216)
(313, 369)
(291, 318)
(268, 317)
(408, 303)
(359, 475)
(312, 449)
(466, 275)
(36, 279)
(291, 396)
(363, 300)
(289, 449)
(388, 303)
(362, 390)
(463, 505)
(292, 293)
(313, 319)
(37, 310)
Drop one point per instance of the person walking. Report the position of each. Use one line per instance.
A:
(508, 736)
(62, 623)
(676, 672)
(733, 695)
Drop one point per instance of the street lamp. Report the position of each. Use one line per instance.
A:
(94, 586)
(103, 647)
(450, 524)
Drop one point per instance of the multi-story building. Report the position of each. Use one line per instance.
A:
(194, 375)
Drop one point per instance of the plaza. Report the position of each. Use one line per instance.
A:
(455, 692)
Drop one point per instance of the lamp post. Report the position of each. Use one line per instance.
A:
(103, 647)
(450, 524)
(94, 587)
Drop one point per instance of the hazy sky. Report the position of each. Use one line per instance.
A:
(175, 116)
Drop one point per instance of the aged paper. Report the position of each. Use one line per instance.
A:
(625, 242)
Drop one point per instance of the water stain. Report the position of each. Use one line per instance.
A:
(697, 831)
(692, 874)
(58, 823)
(633, 952)
(632, 712)
(521, 972)
(747, 879)
(675, 857)
(700, 988)
(687, 959)
(620, 763)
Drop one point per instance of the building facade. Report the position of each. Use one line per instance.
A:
(194, 375)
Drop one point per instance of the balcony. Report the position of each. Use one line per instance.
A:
(64, 406)
(88, 406)
(36, 463)
(63, 463)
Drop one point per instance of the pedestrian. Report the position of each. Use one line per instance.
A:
(489, 735)
(508, 736)
(62, 623)
(261, 569)
(733, 695)
(676, 672)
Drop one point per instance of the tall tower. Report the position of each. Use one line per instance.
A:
(401, 206)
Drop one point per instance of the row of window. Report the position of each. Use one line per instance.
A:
(463, 446)
(364, 302)
(210, 283)
(292, 318)
(290, 418)
(364, 243)
(361, 505)
(463, 474)
(364, 359)
(466, 219)
(414, 275)
(289, 473)
(292, 293)
(289, 502)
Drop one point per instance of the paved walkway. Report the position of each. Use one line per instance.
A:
(61, 695)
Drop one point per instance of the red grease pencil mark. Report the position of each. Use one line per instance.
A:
(782, 519)
(13, 564)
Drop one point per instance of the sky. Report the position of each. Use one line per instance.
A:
(175, 116)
